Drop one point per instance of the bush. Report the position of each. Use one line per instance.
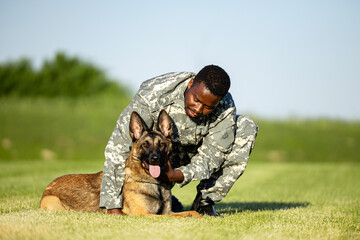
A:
(61, 76)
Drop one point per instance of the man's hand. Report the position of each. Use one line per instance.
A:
(171, 175)
(116, 211)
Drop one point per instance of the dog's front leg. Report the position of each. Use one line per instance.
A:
(187, 214)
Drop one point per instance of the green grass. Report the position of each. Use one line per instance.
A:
(318, 140)
(271, 200)
(302, 181)
(56, 128)
(66, 129)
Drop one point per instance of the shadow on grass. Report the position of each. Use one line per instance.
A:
(236, 207)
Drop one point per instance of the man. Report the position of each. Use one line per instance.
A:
(211, 143)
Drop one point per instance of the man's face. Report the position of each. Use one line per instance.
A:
(199, 101)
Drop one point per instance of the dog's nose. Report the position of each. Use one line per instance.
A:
(154, 158)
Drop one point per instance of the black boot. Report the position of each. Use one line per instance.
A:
(196, 204)
(176, 205)
(208, 210)
(204, 207)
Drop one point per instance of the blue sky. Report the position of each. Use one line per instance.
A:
(285, 58)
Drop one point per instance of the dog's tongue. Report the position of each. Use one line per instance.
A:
(154, 170)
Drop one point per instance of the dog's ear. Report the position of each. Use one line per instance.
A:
(164, 124)
(136, 126)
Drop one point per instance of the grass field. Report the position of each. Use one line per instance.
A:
(64, 129)
(271, 201)
(302, 181)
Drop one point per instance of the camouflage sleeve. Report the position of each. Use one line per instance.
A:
(116, 153)
(211, 154)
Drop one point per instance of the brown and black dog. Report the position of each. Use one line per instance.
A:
(143, 193)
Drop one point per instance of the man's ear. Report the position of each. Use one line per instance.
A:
(164, 124)
(136, 127)
(190, 83)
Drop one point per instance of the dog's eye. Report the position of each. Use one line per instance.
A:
(145, 144)
(162, 145)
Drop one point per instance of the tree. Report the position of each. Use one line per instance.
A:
(61, 76)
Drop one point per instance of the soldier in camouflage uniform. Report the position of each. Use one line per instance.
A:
(210, 142)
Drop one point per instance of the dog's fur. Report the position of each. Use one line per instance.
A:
(143, 195)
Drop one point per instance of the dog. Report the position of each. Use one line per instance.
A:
(144, 194)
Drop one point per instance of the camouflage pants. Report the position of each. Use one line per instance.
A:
(218, 185)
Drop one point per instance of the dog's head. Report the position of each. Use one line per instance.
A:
(151, 147)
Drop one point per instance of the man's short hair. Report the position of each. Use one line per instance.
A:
(215, 79)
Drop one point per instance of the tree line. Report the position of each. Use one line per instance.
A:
(61, 76)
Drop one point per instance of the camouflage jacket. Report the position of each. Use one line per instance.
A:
(213, 135)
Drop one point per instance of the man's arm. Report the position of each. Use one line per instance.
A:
(211, 154)
(116, 153)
